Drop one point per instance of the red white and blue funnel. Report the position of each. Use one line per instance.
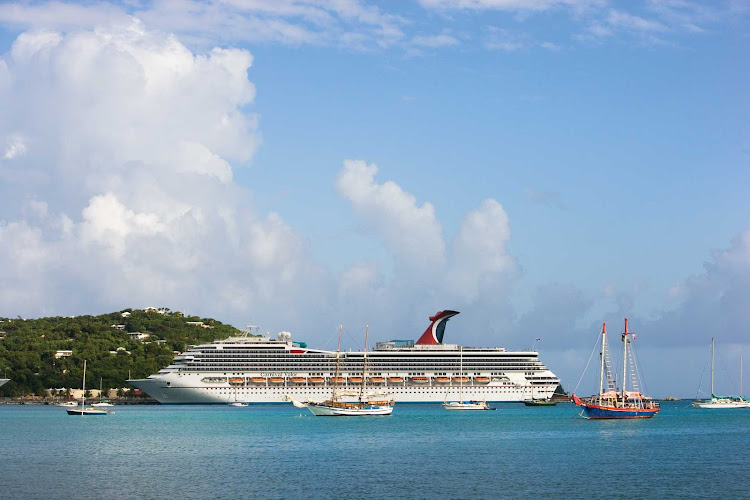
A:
(434, 333)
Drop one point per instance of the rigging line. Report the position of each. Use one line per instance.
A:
(703, 374)
(587, 364)
(643, 388)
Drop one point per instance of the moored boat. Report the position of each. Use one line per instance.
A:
(611, 403)
(83, 410)
(461, 404)
(722, 402)
(339, 406)
(540, 402)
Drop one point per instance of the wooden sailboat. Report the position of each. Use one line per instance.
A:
(722, 402)
(83, 410)
(610, 403)
(461, 404)
(365, 405)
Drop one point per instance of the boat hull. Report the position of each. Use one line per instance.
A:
(719, 405)
(323, 410)
(595, 411)
(540, 403)
(189, 389)
(466, 406)
(86, 411)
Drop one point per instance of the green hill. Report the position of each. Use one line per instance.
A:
(30, 357)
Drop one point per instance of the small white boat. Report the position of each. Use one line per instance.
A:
(467, 405)
(68, 404)
(238, 403)
(722, 402)
(461, 404)
(103, 404)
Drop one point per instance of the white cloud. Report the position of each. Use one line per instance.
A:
(636, 23)
(411, 232)
(479, 261)
(510, 5)
(434, 41)
(16, 147)
(476, 270)
(126, 196)
(714, 302)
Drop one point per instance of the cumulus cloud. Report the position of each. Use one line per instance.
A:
(410, 231)
(714, 302)
(118, 169)
(479, 260)
(473, 272)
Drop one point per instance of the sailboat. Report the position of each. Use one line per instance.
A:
(717, 402)
(461, 404)
(538, 402)
(610, 403)
(83, 410)
(366, 404)
(102, 403)
(236, 402)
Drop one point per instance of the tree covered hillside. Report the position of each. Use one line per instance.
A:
(31, 357)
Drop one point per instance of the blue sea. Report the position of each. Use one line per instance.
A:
(421, 451)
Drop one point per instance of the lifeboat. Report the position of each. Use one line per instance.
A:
(481, 380)
(258, 380)
(316, 380)
(276, 380)
(236, 380)
(377, 380)
(461, 380)
(395, 380)
(355, 380)
(339, 380)
(419, 380)
(442, 380)
(299, 380)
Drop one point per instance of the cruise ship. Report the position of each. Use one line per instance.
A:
(263, 370)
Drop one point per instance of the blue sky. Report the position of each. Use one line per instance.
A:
(540, 166)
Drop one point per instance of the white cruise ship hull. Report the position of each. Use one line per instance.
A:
(181, 391)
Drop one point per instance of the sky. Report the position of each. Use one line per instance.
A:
(541, 166)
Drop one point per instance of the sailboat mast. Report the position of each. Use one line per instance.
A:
(625, 359)
(364, 364)
(604, 348)
(460, 374)
(338, 363)
(712, 367)
(83, 394)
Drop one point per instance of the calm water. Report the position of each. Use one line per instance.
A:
(421, 451)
